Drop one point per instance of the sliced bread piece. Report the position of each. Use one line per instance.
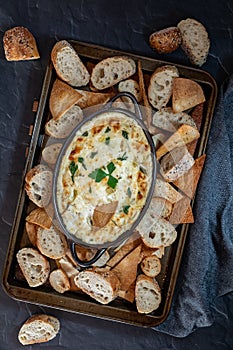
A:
(59, 281)
(165, 40)
(31, 230)
(176, 163)
(38, 329)
(132, 86)
(68, 64)
(161, 84)
(67, 266)
(51, 242)
(165, 190)
(51, 152)
(161, 206)
(19, 44)
(151, 266)
(184, 135)
(35, 266)
(90, 98)
(39, 217)
(38, 185)
(166, 119)
(186, 94)
(157, 232)
(147, 294)
(195, 40)
(62, 127)
(62, 98)
(102, 287)
(111, 71)
(182, 212)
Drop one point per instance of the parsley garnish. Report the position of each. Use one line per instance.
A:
(129, 193)
(85, 133)
(142, 170)
(98, 175)
(126, 209)
(107, 129)
(125, 134)
(73, 168)
(81, 160)
(107, 140)
(124, 157)
(93, 154)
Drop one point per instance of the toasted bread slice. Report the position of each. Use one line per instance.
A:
(167, 120)
(103, 214)
(90, 98)
(51, 152)
(19, 44)
(188, 182)
(182, 212)
(186, 94)
(35, 266)
(31, 230)
(62, 98)
(68, 64)
(196, 114)
(151, 266)
(161, 206)
(59, 281)
(51, 242)
(39, 217)
(166, 191)
(184, 135)
(147, 294)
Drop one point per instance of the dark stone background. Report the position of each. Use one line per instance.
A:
(125, 26)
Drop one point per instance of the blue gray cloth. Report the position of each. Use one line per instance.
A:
(207, 265)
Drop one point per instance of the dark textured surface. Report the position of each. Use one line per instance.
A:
(124, 26)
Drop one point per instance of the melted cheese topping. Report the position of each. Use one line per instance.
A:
(111, 138)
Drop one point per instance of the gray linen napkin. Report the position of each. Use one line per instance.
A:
(207, 265)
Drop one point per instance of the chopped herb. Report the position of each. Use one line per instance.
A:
(81, 160)
(107, 140)
(85, 133)
(112, 181)
(107, 129)
(125, 134)
(90, 190)
(124, 157)
(126, 209)
(97, 175)
(93, 154)
(129, 193)
(142, 170)
(73, 168)
(114, 222)
(111, 167)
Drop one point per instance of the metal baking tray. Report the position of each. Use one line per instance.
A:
(118, 310)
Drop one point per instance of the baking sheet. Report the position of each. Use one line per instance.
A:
(118, 310)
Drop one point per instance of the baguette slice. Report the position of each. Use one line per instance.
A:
(39, 217)
(165, 190)
(62, 98)
(102, 287)
(38, 185)
(59, 281)
(176, 163)
(161, 206)
(111, 71)
(68, 64)
(151, 266)
(38, 329)
(19, 44)
(161, 84)
(130, 85)
(157, 232)
(147, 294)
(90, 98)
(51, 242)
(35, 267)
(51, 152)
(186, 94)
(184, 135)
(31, 230)
(166, 119)
(165, 40)
(60, 129)
(195, 40)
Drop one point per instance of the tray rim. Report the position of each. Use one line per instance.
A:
(15, 292)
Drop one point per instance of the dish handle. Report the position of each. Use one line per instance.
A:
(138, 112)
(88, 263)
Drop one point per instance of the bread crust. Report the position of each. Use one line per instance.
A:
(20, 44)
(165, 40)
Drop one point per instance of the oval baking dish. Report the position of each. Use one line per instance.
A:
(104, 178)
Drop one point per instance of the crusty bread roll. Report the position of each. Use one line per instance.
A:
(35, 266)
(111, 71)
(165, 40)
(103, 287)
(19, 44)
(68, 64)
(38, 329)
(38, 185)
(195, 40)
(147, 294)
(161, 84)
